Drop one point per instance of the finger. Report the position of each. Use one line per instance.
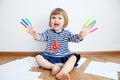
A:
(89, 27)
(22, 29)
(93, 30)
(30, 28)
(86, 23)
(82, 34)
(28, 21)
(91, 23)
(23, 24)
(84, 29)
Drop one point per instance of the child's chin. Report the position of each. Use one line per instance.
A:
(56, 28)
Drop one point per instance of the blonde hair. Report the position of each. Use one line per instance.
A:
(59, 11)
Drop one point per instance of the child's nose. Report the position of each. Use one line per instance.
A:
(56, 19)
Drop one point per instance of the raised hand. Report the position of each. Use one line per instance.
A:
(87, 29)
(31, 30)
(28, 27)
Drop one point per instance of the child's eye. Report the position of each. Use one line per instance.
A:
(53, 17)
(60, 18)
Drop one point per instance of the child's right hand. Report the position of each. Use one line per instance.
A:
(33, 32)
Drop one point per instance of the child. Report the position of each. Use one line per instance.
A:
(57, 39)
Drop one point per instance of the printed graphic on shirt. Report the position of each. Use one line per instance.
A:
(54, 46)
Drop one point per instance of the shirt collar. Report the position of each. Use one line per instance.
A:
(58, 32)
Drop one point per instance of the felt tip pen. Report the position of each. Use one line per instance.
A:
(22, 29)
(92, 23)
(24, 21)
(28, 21)
(86, 23)
(93, 30)
(23, 24)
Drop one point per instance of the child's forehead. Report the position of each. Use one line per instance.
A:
(57, 15)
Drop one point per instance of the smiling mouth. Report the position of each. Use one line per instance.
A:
(56, 24)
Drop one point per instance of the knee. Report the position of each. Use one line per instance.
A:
(74, 57)
(37, 57)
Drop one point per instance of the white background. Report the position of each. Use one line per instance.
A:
(105, 12)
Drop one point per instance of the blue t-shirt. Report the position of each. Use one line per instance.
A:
(57, 43)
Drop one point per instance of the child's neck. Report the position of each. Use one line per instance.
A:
(58, 31)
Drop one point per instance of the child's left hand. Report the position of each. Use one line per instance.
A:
(84, 32)
(86, 29)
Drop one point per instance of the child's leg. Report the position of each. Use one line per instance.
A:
(68, 66)
(48, 65)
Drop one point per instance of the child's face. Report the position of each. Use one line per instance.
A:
(57, 22)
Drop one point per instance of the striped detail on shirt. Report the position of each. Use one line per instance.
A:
(62, 39)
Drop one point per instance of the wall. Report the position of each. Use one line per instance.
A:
(106, 13)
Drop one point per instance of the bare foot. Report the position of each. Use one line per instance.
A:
(60, 76)
(55, 69)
